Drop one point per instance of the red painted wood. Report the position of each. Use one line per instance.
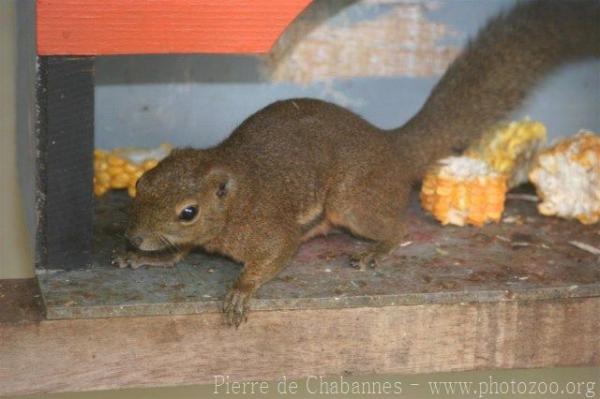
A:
(105, 27)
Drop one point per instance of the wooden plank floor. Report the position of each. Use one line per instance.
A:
(38, 355)
(527, 257)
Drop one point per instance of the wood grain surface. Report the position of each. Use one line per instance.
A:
(89, 354)
(105, 27)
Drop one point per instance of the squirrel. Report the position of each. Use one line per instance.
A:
(299, 167)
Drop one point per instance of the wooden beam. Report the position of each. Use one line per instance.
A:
(105, 27)
(65, 145)
(86, 354)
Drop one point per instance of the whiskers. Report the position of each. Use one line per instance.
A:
(169, 245)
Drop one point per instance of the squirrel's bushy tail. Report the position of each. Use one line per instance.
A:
(495, 72)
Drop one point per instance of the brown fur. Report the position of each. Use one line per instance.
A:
(298, 167)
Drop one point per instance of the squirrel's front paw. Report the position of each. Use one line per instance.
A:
(134, 260)
(127, 259)
(235, 307)
(363, 260)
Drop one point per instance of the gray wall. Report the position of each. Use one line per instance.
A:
(198, 100)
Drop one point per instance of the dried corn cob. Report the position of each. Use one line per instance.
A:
(567, 178)
(463, 190)
(122, 167)
(510, 148)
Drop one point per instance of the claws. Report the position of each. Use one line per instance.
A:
(135, 260)
(128, 259)
(235, 307)
(364, 260)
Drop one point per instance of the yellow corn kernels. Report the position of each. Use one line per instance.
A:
(510, 148)
(567, 178)
(122, 167)
(463, 190)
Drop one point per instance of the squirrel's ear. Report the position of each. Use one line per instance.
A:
(222, 181)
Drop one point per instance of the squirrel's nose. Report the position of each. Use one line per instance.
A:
(136, 241)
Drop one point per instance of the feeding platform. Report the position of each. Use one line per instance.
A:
(508, 295)
(527, 257)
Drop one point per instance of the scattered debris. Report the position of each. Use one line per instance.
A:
(585, 247)
(211, 270)
(502, 238)
(513, 219)
(407, 243)
(441, 251)
(522, 197)
(327, 270)
(520, 244)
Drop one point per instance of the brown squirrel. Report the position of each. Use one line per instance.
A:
(298, 167)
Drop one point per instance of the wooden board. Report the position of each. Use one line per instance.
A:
(530, 258)
(65, 98)
(106, 27)
(86, 354)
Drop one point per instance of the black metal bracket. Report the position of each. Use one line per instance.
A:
(64, 167)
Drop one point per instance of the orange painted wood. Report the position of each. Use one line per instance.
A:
(106, 27)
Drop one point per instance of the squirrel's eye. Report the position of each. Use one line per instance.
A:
(189, 213)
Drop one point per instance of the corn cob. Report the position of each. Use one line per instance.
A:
(122, 167)
(567, 178)
(510, 148)
(463, 190)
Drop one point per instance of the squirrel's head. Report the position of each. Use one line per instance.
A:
(183, 201)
